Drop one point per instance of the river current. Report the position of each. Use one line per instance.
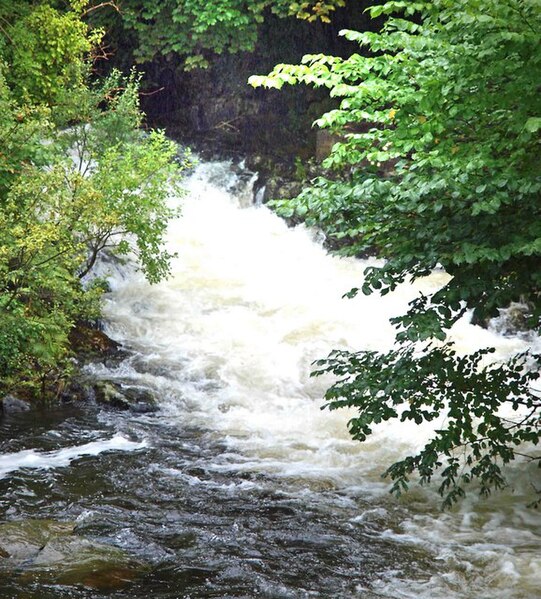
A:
(240, 485)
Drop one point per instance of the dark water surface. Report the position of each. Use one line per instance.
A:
(203, 532)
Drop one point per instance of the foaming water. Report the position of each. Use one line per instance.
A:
(30, 458)
(227, 344)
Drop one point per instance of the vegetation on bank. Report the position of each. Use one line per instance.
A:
(77, 177)
(438, 166)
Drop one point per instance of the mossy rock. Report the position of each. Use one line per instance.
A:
(78, 561)
(116, 395)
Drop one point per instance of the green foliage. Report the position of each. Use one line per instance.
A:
(193, 28)
(438, 166)
(77, 177)
(46, 49)
(118, 178)
(476, 440)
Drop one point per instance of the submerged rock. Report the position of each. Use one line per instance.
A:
(47, 551)
(24, 539)
(77, 561)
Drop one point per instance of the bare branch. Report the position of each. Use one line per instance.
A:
(113, 5)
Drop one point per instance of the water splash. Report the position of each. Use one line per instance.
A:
(30, 458)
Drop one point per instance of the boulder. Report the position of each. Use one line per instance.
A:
(13, 405)
(116, 395)
(86, 338)
(278, 188)
(111, 394)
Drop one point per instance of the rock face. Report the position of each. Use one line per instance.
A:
(47, 551)
(216, 108)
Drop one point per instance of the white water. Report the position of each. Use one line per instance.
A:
(227, 344)
(29, 458)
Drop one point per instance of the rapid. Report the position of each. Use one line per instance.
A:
(241, 485)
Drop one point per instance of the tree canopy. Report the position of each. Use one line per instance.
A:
(194, 28)
(439, 115)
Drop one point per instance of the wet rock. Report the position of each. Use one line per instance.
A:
(143, 408)
(111, 395)
(137, 395)
(90, 339)
(115, 395)
(23, 540)
(516, 319)
(78, 561)
(91, 344)
(278, 188)
(257, 162)
(13, 405)
(47, 551)
(77, 389)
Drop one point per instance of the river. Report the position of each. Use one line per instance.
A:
(240, 485)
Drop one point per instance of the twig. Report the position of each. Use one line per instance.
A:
(102, 5)
(156, 91)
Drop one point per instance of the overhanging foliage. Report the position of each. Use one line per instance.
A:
(438, 165)
(194, 28)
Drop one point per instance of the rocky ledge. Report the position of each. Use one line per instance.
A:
(90, 345)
